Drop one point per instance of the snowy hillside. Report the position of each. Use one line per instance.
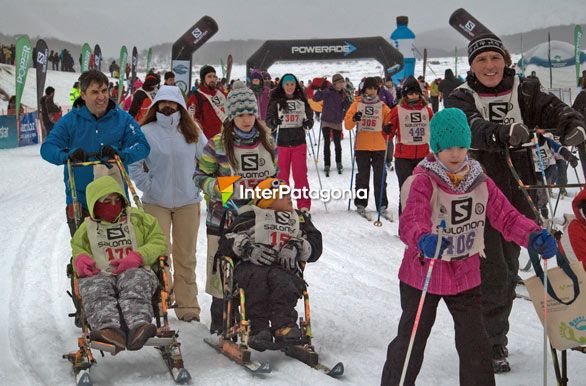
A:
(353, 288)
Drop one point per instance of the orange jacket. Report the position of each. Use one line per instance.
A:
(408, 151)
(368, 140)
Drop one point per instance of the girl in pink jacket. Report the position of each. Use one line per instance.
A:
(448, 186)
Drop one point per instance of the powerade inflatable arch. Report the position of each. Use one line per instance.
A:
(374, 47)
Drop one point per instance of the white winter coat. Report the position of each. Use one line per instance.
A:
(166, 176)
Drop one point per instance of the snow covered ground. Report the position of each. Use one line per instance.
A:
(354, 290)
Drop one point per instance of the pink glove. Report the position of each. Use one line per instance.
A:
(86, 266)
(132, 260)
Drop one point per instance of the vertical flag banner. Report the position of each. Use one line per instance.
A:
(86, 51)
(98, 57)
(122, 62)
(549, 60)
(24, 57)
(40, 63)
(133, 64)
(228, 68)
(456, 61)
(577, 45)
(149, 60)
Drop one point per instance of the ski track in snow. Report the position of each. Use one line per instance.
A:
(353, 288)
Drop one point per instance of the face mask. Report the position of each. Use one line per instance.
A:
(168, 120)
(107, 211)
(412, 102)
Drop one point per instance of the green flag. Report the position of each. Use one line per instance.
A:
(455, 61)
(86, 51)
(24, 58)
(577, 46)
(149, 60)
(123, 60)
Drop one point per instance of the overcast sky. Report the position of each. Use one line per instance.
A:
(146, 22)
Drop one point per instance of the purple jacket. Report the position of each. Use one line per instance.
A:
(386, 97)
(451, 277)
(335, 104)
(262, 99)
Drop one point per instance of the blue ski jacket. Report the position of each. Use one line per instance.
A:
(81, 129)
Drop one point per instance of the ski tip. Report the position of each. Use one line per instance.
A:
(337, 370)
(84, 379)
(181, 376)
(265, 367)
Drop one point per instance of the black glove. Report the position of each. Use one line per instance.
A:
(77, 155)
(571, 126)
(278, 121)
(515, 135)
(573, 160)
(260, 254)
(576, 136)
(387, 129)
(108, 152)
(307, 124)
(357, 116)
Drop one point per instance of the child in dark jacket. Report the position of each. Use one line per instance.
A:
(271, 242)
(447, 185)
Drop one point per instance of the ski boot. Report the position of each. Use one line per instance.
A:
(260, 340)
(288, 334)
(339, 167)
(500, 364)
(327, 170)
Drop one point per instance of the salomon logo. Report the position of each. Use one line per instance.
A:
(497, 111)
(369, 110)
(283, 218)
(461, 211)
(115, 233)
(196, 33)
(416, 117)
(470, 25)
(249, 162)
(291, 106)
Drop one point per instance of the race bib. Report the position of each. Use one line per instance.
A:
(293, 114)
(254, 165)
(372, 116)
(110, 241)
(275, 228)
(414, 126)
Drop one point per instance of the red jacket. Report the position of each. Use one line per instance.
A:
(402, 150)
(577, 228)
(205, 114)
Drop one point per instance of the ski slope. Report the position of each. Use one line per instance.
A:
(353, 288)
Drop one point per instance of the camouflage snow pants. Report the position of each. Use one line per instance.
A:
(109, 299)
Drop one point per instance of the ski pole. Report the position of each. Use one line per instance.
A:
(383, 187)
(316, 168)
(440, 233)
(353, 152)
(542, 168)
(75, 203)
(544, 322)
(128, 181)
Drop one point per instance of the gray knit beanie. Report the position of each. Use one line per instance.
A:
(241, 100)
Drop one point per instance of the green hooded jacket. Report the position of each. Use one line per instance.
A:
(150, 240)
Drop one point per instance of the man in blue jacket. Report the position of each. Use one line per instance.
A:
(94, 125)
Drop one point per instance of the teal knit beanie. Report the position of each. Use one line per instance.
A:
(449, 128)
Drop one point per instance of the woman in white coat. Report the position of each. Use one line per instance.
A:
(169, 194)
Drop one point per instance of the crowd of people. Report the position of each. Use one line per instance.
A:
(176, 145)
